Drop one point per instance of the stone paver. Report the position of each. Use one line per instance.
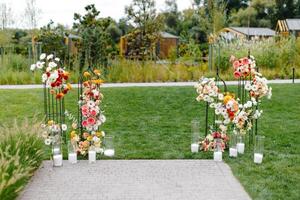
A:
(135, 180)
(155, 84)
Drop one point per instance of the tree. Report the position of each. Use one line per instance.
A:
(6, 17)
(95, 42)
(171, 16)
(259, 13)
(32, 13)
(147, 24)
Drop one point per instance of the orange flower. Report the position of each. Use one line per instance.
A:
(69, 86)
(98, 81)
(86, 83)
(97, 72)
(52, 91)
(86, 74)
(60, 95)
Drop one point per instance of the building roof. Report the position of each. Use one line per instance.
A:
(168, 35)
(254, 31)
(293, 24)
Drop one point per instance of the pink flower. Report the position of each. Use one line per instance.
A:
(237, 74)
(84, 123)
(93, 112)
(245, 61)
(236, 64)
(91, 121)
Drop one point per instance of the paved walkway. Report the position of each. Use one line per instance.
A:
(135, 180)
(155, 84)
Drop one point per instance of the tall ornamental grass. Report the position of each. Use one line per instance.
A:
(20, 154)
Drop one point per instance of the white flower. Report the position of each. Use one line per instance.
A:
(223, 128)
(64, 127)
(48, 69)
(49, 56)
(52, 64)
(57, 59)
(44, 78)
(103, 133)
(42, 56)
(248, 86)
(48, 141)
(39, 64)
(212, 105)
(206, 98)
(220, 97)
(102, 118)
(96, 139)
(226, 121)
(254, 87)
(218, 111)
(32, 67)
(91, 104)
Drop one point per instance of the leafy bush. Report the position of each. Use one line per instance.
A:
(20, 153)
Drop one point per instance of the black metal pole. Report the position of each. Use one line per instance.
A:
(293, 74)
(206, 120)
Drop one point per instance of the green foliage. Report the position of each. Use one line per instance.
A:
(95, 43)
(52, 39)
(20, 154)
(147, 24)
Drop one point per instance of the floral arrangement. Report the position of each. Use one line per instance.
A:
(54, 76)
(228, 110)
(92, 116)
(51, 131)
(243, 67)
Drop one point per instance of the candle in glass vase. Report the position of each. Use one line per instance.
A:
(233, 152)
(56, 150)
(258, 158)
(57, 160)
(109, 152)
(194, 148)
(92, 156)
(72, 158)
(240, 147)
(218, 156)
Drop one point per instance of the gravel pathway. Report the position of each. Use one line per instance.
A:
(165, 84)
(135, 180)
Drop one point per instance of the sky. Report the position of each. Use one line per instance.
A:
(62, 11)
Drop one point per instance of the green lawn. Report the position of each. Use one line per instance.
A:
(154, 123)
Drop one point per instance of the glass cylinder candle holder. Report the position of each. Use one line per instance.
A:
(56, 151)
(240, 144)
(259, 149)
(218, 150)
(72, 153)
(92, 154)
(109, 146)
(233, 146)
(195, 136)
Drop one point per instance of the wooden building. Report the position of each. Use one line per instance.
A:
(287, 27)
(246, 33)
(166, 43)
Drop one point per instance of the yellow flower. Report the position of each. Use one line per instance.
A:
(98, 81)
(86, 74)
(72, 134)
(97, 72)
(89, 138)
(69, 86)
(98, 134)
(50, 122)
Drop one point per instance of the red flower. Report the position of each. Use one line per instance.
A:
(59, 95)
(84, 123)
(93, 113)
(216, 135)
(91, 121)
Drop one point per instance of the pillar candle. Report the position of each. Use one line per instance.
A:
(194, 148)
(218, 156)
(258, 158)
(72, 158)
(57, 160)
(109, 152)
(92, 156)
(240, 147)
(232, 152)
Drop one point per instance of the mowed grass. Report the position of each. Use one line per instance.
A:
(154, 123)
